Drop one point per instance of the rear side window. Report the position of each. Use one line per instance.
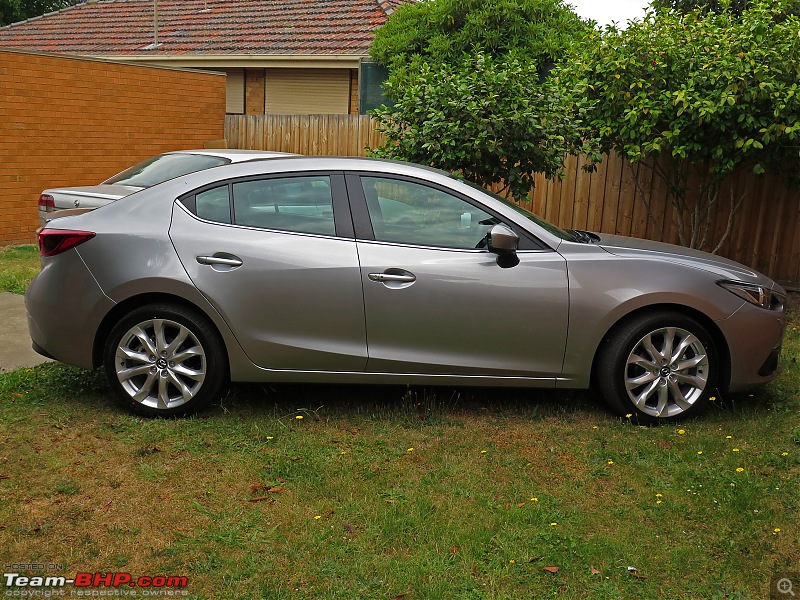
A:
(214, 205)
(298, 204)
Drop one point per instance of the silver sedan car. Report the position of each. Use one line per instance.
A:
(358, 270)
(65, 201)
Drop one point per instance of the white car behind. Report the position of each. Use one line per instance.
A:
(62, 202)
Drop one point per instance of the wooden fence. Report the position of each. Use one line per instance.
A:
(765, 233)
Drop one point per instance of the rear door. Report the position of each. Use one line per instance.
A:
(277, 258)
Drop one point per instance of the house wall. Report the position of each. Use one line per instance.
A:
(73, 121)
(292, 91)
(254, 91)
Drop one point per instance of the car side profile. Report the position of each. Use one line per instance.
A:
(358, 270)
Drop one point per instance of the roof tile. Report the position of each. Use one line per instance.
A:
(125, 27)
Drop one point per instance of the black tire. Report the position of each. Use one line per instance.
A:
(634, 378)
(176, 375)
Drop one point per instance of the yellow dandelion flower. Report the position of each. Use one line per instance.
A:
(735, 450)
(681, 431)
(410, 450)
(713, 398)
(784, 454)
(483, 451)
(728, 437)
(658, 501)
(611, 462)
(298, 417)
(553, 524)
(595, 427)
(534, 499)
(699, 451)
(659, 495)
(629, 415)
(776, 530)
(316, 517)
(342, 452)
(739, 469)
(512, 561)
(269, 437)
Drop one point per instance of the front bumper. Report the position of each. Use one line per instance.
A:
(754, 336)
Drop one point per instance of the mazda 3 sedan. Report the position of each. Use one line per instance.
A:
(358, 270)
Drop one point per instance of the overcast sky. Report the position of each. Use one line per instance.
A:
(606, 11)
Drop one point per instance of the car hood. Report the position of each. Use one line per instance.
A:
(105, 191)
(725, 268)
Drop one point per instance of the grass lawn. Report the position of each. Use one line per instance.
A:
(18, 265)
(384, 492)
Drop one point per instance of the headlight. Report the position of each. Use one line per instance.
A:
(755, 294)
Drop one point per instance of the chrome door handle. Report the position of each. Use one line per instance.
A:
(384, 277)
(219, 260)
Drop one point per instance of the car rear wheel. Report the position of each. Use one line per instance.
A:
(658, 367)
(165, 360)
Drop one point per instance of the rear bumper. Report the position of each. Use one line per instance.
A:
(65, 307)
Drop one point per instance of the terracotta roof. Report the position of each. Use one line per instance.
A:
(185, 27)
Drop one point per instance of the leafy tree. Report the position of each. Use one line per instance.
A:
(714, 6)
(489, 120)
(695, 97)
(12, 11)
(442, 31)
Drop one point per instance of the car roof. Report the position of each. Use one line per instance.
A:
(235, 155)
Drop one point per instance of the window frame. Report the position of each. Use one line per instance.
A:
(362, 221)
(342, 218)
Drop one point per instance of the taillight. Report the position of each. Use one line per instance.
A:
(56, 241)
(47, 203)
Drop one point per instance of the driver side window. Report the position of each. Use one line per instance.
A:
(411, 213)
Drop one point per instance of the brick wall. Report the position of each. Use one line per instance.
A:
(68, 121)
(254, 92)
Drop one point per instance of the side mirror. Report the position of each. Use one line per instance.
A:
(502, 241)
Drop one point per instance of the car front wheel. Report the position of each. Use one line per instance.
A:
(165, 360)
(658, 367)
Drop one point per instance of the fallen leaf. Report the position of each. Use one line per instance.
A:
(58, 426)
(261, 499)
(520, 505)
(275, 490)
(595, 571)
(390, 501)
(349, 528)
(639, 576)
(106, 506)
(5, 476)
(259, 486)
(454, 549)
(550, 569)
(18, 395)
(665, 445)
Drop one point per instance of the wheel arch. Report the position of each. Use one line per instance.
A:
(720, 343)
(127, 305)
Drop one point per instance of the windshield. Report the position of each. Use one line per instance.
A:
(163, 167)
(549, 227)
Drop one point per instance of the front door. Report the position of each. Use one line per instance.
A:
(436, 300)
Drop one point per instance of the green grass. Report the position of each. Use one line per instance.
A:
(386, 492)
(378, 492)
(18, 265)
